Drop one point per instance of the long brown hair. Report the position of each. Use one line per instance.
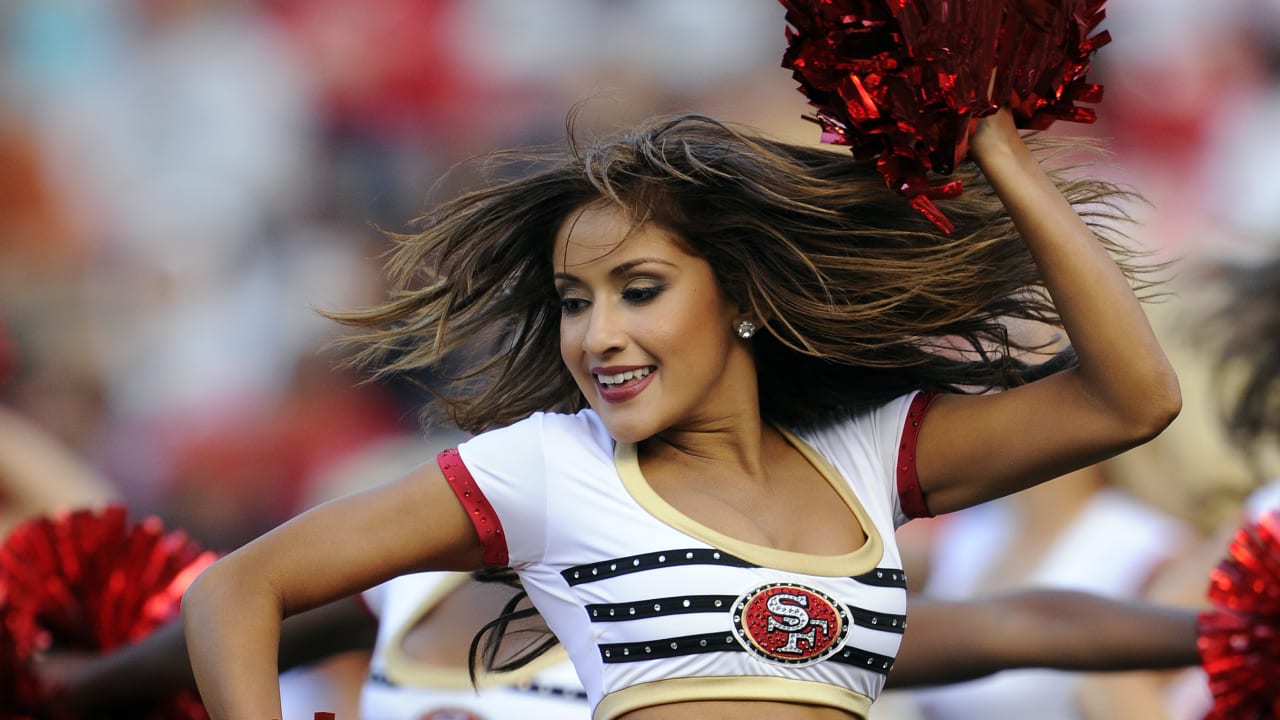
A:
(863, 299)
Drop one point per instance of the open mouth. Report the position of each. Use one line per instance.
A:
(622, 378)
(623, 386)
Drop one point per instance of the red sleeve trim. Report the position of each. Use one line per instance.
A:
(483, 518)
(910, 496)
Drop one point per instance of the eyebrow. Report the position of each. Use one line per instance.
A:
(621, 268)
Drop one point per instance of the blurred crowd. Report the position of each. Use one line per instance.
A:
(184, 182)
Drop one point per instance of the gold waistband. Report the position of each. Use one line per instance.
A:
(738, 687)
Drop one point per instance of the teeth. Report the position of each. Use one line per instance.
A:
(622, 377)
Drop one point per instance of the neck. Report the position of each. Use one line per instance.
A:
(731, 449)
(727, 437)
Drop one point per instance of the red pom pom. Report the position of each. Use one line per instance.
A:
(20, 637)
(1240, 640)
(902, 81)
(89, 581)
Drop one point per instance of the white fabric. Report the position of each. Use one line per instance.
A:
(552, 693)
(1263, 500)
(564, 502)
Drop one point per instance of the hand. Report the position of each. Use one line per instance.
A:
(62, 676)
(124, 681)
(992, 133)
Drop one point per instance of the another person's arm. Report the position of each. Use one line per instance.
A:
(39, 475)
(949, 642)
(1122, 393)
(158, 665)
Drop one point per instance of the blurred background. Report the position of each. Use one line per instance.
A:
(182, 183)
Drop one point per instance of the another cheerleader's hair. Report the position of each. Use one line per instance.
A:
(862, 299)
(1248, 327)
(515, 638)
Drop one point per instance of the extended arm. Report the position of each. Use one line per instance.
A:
(949, 642)
(1123, 392)
(233, 610)
(158, 664)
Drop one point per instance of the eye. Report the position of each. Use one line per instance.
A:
(571, 305)
(642, 294)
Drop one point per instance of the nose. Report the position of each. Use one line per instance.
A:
(604, 332)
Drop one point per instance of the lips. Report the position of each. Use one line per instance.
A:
(617, 385)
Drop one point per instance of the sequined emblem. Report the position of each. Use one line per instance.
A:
(790, 624)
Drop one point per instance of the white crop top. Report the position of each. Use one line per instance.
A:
(654, 607)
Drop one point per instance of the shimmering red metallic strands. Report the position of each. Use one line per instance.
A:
(90, 580)
(483, 518)
(902, 81)
(20, 637)
(1240, 639)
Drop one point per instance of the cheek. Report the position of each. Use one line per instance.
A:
(571, 351)
(568, 346)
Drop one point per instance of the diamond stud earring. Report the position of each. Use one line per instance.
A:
(746, 329)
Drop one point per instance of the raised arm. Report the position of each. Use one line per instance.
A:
(233, 610)
(949, 642)
(1123, 392)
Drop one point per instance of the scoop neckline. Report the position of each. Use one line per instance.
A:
(855, 562)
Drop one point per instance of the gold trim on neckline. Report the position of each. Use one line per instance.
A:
(856, 562)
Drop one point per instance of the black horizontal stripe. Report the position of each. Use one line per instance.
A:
(686, 604)
(883, 577)
(659, 607)
(889, 622)
(612, 653)
(581, 574)
(669, 647)
(553, 691)
(867, 660)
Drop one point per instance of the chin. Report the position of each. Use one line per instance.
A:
(627, 431)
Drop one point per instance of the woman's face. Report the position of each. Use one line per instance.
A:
(644, 329)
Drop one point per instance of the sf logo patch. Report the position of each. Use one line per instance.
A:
(790, 624)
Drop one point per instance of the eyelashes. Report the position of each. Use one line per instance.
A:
(641, 295)
(571, 306)
(631, 295)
